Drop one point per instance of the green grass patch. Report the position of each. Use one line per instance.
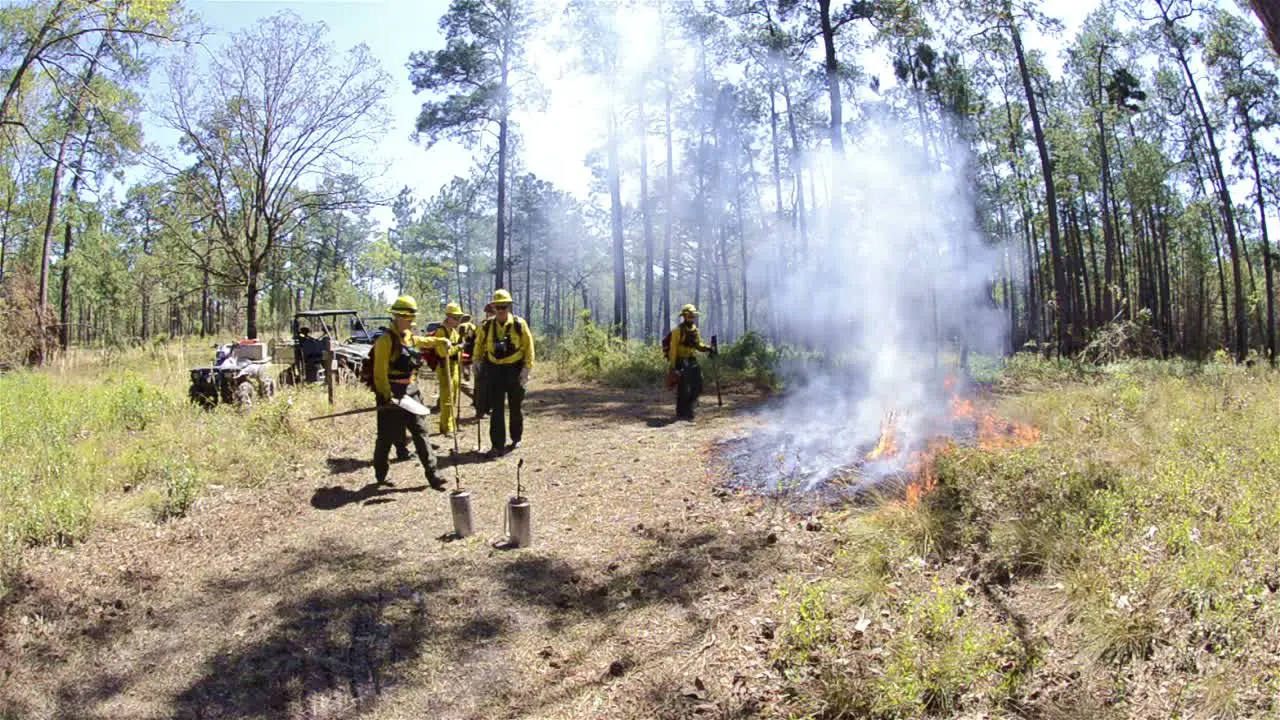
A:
(112, 422)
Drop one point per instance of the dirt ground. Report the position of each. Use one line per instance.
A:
(648, 591)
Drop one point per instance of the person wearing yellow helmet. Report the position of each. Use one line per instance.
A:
(478, 398)
(467, 333)
(448, 372)
(505, 345)
(682, 362)
(396, 357)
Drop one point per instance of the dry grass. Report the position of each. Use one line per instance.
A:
(311, 594)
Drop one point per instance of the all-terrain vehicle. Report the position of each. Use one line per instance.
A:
(238, 374)
(348, 335)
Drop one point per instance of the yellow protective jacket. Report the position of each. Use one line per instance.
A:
(455, 339)
(391, 365)
(516, 330)
(685, 340)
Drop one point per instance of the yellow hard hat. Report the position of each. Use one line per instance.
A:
(500, 297)
(404, 305)
(689, 310)
(453, 309)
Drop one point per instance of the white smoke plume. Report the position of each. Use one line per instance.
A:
(896, 274)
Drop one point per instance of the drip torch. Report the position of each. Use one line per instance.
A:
(519, 515)
(459, 499)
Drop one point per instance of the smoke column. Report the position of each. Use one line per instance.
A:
(895, 266)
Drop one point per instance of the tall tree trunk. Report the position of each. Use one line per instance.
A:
(742, 238)
(833, 78)
(800, 220)
(1222, 285)
(670, 194)
(4, 228)
(1224, 193)
(546, 295)
(1108, 230)
(615, 213)
(647, 219)
(1050, 196)
(1097, 318)
(501, 255)
(251, 303)
(1252, 147)
(64, 307)
(1034, 291)
(528, 275)
(50, 219)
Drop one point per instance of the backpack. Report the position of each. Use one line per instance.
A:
(666, 343)
(366, 367)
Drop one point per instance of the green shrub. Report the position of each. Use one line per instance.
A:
(182, 487)
(590, 353)
(133, 404)
(274, 418)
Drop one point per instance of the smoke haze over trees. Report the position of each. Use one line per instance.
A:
(1123, 171)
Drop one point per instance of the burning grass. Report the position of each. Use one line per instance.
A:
(822, 468)
(1124, 564)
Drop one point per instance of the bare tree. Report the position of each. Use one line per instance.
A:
(275, 112)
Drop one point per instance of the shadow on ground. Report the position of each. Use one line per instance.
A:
(344, 626)
(332, 498)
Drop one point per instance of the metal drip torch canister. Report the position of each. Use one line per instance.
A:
(460, 505)
(519, 516)
(459, 499)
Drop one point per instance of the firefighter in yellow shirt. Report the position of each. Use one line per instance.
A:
(504, 345)
(682, 363)
(467, 333)
(448, 371)
(396, 357)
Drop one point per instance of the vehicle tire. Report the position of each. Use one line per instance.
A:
(267, 389)
(345, 376)
(286, 377)
(200, 396)
(244, 395)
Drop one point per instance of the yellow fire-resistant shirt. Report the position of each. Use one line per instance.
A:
(453, 336)
(517, 330)
(382, 357)
(684, 342)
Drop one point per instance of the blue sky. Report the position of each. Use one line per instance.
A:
(392, 29)
(556, 138)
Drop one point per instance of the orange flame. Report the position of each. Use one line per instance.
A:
(997, 434)
(922, 470)
(961, 407)
(888, 445)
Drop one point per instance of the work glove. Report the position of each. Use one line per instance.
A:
(524, 377)
(673, 379)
